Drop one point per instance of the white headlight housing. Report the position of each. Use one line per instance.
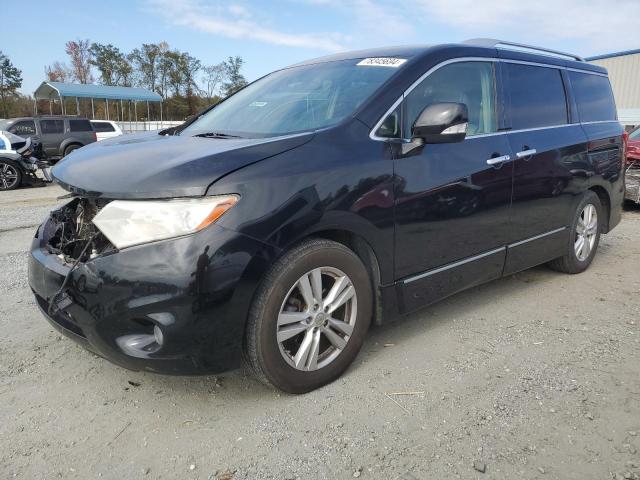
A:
(132, 222)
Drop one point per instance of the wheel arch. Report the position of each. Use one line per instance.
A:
(69, 142)
(367, 255)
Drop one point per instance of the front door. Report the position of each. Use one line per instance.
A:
(452, 200)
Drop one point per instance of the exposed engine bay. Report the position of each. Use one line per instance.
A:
(72, 236)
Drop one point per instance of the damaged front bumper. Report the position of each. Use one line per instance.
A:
(176, 306)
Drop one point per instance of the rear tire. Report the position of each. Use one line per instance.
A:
(71, 148)
(584, 236)
(10, 175)
(309, 317)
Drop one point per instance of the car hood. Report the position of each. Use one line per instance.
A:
(150, 165)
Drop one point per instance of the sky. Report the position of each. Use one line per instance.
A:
(273, 34)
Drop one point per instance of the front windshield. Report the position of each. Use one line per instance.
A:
(296, 99)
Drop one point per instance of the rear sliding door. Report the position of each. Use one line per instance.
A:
(550, 162)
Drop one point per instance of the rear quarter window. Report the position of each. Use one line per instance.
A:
(593, 96)
(80, 126)
(538, 97)
(103, 127)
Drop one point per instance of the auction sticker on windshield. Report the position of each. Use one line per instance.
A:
(382, 62)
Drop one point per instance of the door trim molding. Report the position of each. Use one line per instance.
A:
(459, 263)
(536, 237)
(453, 265)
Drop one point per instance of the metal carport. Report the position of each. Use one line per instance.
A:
(51, 90)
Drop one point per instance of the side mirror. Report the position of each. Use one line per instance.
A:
(444, 122)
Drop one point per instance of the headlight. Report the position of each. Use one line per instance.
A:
(132, 222)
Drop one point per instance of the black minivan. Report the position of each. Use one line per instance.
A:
(351, 189)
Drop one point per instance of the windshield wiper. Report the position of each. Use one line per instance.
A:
(216, 135)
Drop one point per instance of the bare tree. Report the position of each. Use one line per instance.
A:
(57, 72)
(212, 78)
(80, 54)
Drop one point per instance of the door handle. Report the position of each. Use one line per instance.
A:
(526, 153)
(498, 160)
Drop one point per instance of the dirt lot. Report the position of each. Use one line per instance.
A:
(532, 376)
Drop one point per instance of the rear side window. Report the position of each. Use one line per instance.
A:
(80, 126)
(471, 83)
(537, 96)
(593, 96)
(52, 126)
(103, 127)
(24, 127)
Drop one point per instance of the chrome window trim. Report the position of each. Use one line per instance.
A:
(536, 237)
(411, 87)
(595, 122)
(453, 265)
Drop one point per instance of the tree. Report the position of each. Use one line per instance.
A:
(57, 72)
(112, 64)
(190, 66)
(213, 77)
(80, 54)
(146, 61)
(10, 82)
(234, 79)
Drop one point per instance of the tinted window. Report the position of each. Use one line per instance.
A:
(80, 126)
(390, 127)
(103, 127)
(52, 126)
(24, 127)
(593, 96)
(537, 96)
(471, 83)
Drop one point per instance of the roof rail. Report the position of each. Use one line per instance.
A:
(521, 47)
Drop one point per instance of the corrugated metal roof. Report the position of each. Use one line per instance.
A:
(629, 116)
(48, 90)
(611, 55)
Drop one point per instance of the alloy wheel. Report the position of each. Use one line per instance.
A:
(317, 318)
(8, 176)
(586, 232)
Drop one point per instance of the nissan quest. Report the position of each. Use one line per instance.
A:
(275, 227)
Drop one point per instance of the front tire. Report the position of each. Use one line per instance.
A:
(10, 175)
(309, 317)
(584, 237)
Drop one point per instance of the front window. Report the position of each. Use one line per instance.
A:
(471, 83)
(297, 99)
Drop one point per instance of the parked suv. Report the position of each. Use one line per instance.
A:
(59, 135)
(351, 189)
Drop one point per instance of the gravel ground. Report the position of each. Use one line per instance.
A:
(532, 376)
